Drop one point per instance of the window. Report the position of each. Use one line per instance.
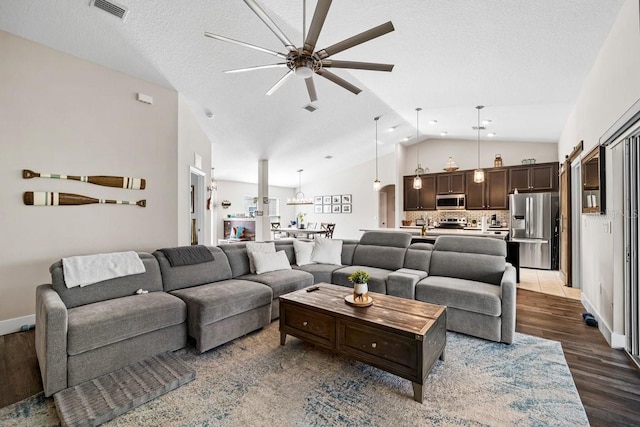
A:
(251, 205)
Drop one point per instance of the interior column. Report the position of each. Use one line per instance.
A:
(263, 223)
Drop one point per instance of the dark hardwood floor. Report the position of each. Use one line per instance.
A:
(608, 383)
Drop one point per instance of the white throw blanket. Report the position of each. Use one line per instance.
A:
(89, 269)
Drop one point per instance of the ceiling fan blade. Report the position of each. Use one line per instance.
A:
(339, 81)
(373, 66)
(311, 88)
(258, 67)
(250, 46)
(374, 32)
(320, 14)
(269, 23)
(279, 83)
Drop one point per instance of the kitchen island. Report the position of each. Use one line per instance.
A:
(513, 248)
(500, 233)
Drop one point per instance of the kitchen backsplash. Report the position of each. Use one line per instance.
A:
(502, 216)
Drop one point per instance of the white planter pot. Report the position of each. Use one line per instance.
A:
(360, 292)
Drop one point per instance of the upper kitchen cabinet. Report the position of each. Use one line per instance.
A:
(423, 199)
(450, 183)
(496, 188)
(475, 193)
(490, 194)
(533, 178)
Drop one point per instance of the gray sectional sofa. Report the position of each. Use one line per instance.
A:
(82, 333)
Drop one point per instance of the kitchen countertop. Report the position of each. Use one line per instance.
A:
(498, 233)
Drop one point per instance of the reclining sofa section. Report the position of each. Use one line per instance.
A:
(85, 332)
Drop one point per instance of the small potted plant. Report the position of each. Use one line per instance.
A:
(360, 280)
(301, 216)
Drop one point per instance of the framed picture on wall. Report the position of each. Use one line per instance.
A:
(326, 208)
(336, 199)
(317, 209)
(346, 198)
(336, 208)
(326, 200)
(317, 200)
(346, 208)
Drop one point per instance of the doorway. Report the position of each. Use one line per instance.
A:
(197, 204)
(387, 207)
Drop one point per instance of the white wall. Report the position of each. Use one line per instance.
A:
(63, 115)
(358, 182)
(435, 152)
(610, 89)
(234, 192)
(191, 140)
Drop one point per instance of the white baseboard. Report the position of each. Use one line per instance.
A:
(615, 340)
(10, 326)
(618, 341)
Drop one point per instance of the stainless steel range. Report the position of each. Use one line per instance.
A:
(452, 223)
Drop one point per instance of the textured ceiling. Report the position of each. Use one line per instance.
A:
(524, 60)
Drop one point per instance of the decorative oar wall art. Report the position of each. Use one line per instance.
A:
(106, 181)
(46, 198)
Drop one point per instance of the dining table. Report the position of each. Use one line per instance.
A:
(296, 232)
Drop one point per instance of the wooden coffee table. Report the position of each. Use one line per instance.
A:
(398, 335)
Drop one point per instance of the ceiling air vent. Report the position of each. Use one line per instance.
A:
(114, 9)
(310, 108)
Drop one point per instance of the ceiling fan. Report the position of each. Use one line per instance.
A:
(306, 61)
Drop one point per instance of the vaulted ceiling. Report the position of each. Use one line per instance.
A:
(524, 60)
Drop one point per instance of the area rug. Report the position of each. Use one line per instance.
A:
(102, 399)
(253, 381)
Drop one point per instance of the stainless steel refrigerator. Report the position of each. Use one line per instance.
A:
(534, 225)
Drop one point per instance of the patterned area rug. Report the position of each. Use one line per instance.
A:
(253, 381)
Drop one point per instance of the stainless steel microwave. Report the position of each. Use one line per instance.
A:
(450, 202)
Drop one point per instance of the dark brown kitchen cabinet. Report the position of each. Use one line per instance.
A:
(449, 183)
(533, 178)
(475, 193)
(490, 194)
(496, 184)
(423, 199)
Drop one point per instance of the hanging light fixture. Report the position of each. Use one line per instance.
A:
(300, 199)
(417, 181)
(478, 174)
(376, 183)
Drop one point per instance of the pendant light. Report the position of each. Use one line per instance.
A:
(299, 199)
(417, 181)
(376, 183)
(478, 174)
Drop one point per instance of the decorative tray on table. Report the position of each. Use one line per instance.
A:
(349, 300)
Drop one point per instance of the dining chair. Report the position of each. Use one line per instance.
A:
(275, 226)
(329, 227)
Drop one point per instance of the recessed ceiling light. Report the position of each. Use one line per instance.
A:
(491, 134)
(486, 122)
(433, 122)
(444, 133)
(406, 138)
(328, 157)
(392, 128)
